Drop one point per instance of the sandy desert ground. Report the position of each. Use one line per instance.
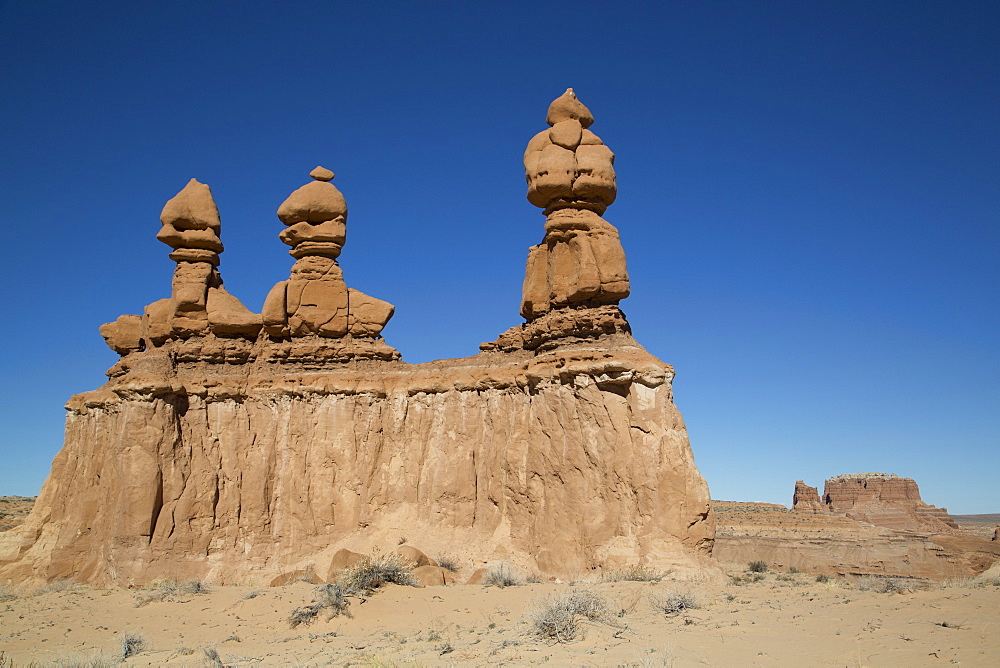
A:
(744, 619)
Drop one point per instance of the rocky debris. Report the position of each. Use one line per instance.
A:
(883, 499)
(219, 453)
(199, 306)
(576, 276)
(839, 545)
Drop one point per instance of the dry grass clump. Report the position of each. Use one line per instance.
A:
(165, 590)
(757, 566)
(448, 563)
(7, 594)
(329, 597)
(880, 584)
(633, 574)
(557, 618)
(503, 575)
(673, 603)
(60, 584)
(71, 660)
(376, 570)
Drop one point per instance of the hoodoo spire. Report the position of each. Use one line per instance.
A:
(576, 276)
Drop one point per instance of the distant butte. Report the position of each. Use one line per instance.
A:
(882, 499)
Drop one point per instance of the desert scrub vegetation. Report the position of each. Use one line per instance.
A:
(448, 563)
(633, 574)
(557, 617)
(326, 597)
(673, 603)
(165, 590)
(376, 570)
(823, 579)
(880, 584)
(132, 644)
(757, 566)
(60, 584)
(503, 575)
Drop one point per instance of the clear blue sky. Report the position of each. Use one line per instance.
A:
(808, 198)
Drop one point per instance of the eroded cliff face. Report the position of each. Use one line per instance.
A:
(567, 461)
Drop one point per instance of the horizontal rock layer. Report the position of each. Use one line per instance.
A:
(564, 461)
(841, 546)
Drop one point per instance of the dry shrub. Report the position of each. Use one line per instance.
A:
(557, 617)
(503, 575)
(60, 584)
(448, 563)
(880, 584)
(72, 660)
(165, 590)
(673, 603)
(329, 597)
(376, 570)
(757, 566)
(633, 574)
(132, 644)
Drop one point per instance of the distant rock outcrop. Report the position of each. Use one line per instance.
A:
(237, 447)
(830, 544)
(806, 499)
(883, 499)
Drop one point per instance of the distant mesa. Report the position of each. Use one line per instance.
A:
(882, 499)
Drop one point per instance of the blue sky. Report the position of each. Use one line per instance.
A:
(808, 199)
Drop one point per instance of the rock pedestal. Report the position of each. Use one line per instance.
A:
(576, 276)
(260, 447)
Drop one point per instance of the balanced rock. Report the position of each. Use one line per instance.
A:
(199, 307)
(576, 276)
(337, 323)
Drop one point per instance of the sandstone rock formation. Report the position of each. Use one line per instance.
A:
(320, 318)
(806, 499)
(883, 499)
(575, 278)
(198, 305)
(838, 545)
(216, 454)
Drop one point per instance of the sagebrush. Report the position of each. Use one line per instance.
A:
(557, 617)
(331, 598)
(673, 603)
(376, 570)
(503, 575)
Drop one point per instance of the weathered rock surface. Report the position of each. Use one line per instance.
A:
(199, 306)
(839, 545)
(806, 499)
(564, 462)
(882, 499)
(576, 276)
(233, 447)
